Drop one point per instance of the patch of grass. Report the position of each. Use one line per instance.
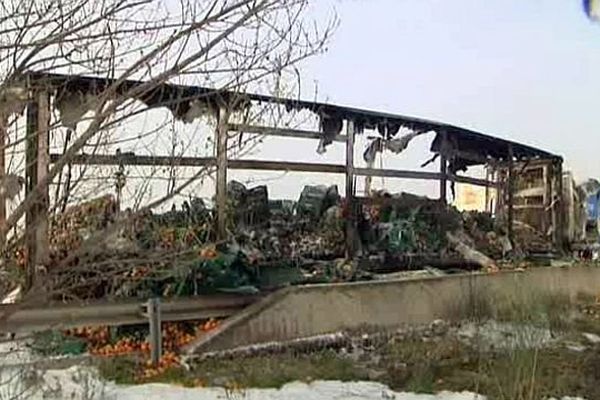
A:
(271, 371)
(535, 308)
(120, 370)
(588, 325)
(519, 374)
(425, 367)
(125, 371)
(176, 376)
(513, 302)
(475, 304)
(584, 298)
(520, 305)
(587, 318)
(537, 374)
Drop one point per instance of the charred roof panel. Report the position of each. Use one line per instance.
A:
(172, 96)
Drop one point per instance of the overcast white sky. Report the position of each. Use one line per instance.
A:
(524, 70)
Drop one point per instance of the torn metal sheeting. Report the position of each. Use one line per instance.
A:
(72, 106)
(395, 145)
(11, 185)
(187, 102)
(473, 148)
(331, 125)
(12, 100)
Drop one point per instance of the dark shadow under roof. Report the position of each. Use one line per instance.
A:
(177, 97)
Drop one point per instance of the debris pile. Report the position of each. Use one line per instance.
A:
(310, 229)
(247, 207)
(406, 223)
(490, 237)
(272, 242)
(530, 240)
(486, 236)
(77, 224)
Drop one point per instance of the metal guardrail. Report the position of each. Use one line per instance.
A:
(17, 318)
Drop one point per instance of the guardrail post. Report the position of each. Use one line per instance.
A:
(221, 186)
(37, 159)
(153, 313)
(350, 191)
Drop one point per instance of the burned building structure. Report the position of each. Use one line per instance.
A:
(454, 149)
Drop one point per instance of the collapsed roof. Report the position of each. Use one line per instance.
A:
(467, 147)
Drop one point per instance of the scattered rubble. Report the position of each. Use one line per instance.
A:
(276, 241)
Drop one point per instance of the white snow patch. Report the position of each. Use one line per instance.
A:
(576, 347)
(592, 337)
(318, 390)
(568, 398)
(83, 383)
(13, 296)
(13, 352)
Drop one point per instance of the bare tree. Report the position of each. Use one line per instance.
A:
(233, 45)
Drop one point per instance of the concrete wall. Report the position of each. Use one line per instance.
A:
(303, 311)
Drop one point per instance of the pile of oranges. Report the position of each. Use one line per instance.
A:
(122, 347)
(168, 360)
(20, 256)
(94, 336)
(175, 336)
(167, 238)
(208, 253)
(208, 326)
(138, 273)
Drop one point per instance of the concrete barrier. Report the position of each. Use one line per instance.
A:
(303, 311)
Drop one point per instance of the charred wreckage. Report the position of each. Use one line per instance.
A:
(248, 241)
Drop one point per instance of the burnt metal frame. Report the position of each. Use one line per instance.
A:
(38, 158)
